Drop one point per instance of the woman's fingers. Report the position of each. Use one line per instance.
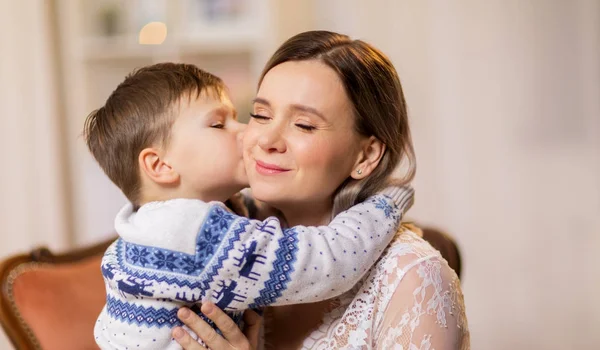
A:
(232, 338)
(231, 331)
(253, 322)
(185, 340)
(202, 329)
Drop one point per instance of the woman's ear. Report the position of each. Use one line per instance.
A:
(369, 157)
(155, 168)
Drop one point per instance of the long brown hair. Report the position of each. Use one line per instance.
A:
(373, 86)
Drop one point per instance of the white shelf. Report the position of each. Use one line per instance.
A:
(97, 49)
(216, 42)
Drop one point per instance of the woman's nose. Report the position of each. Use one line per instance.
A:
(272, 140)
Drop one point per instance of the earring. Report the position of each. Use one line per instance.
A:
(358, 171)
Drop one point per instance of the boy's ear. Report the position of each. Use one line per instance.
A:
(156, 168)
(368, 159)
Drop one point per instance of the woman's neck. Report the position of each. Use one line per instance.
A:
(314, 214)
(287, 326)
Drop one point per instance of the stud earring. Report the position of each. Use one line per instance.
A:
(358, 171)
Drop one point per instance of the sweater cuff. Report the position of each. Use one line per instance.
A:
(403, 196)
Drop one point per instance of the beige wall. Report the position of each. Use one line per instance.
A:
(503, 97)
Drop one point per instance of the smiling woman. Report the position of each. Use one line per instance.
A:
(167, 136)
(307, 133)
(329, 127)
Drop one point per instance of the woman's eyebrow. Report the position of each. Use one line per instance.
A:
(307, 109)
(295, 107)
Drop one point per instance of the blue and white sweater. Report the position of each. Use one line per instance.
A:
(183, 252)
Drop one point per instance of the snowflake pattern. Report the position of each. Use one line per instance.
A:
(389, 210)
(138, 255)
(165, 260)
(217, 224)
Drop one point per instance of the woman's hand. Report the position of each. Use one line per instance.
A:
(232, 338)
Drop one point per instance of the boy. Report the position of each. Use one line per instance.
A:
(168, 138)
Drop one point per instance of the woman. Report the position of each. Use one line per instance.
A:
(329, 128)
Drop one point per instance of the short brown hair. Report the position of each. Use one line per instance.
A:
(138, 114)
(373, 87)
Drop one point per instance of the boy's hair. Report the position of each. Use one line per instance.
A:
(139, 114)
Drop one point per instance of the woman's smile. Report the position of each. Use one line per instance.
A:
(264, 168)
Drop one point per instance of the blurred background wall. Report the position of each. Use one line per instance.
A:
(504, 99)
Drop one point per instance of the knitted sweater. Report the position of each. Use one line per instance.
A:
(183, 252)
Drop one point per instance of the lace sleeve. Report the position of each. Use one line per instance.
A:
(426, 311)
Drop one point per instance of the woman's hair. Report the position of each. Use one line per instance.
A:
(372, 85)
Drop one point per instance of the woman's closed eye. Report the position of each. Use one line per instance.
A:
(263, 119)
(305, 127)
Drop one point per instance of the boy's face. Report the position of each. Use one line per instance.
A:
(205, 148)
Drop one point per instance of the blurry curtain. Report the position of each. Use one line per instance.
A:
(33, 195)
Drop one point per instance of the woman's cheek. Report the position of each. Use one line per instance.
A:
(309, 151)
(249, 139)
(332, 151)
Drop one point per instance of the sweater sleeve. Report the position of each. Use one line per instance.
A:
(259, 263)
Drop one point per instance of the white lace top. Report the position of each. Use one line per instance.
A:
(410, 300)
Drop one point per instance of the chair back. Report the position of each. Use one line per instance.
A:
(52, 301)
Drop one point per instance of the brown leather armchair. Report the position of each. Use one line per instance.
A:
(52, 301)
(446, 246)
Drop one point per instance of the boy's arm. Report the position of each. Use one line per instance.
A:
(257, 263)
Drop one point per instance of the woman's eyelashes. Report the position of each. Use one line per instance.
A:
(262, 119)
(305, 127)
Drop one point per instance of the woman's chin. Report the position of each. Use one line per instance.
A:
(267, 195)
(268, 189)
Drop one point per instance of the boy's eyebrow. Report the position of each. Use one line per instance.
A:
(222, 110)
(297, 107)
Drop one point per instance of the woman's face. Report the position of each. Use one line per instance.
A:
(300, 144)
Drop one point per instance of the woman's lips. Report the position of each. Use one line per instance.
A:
(269, 169)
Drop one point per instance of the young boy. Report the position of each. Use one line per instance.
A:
(168, 138)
